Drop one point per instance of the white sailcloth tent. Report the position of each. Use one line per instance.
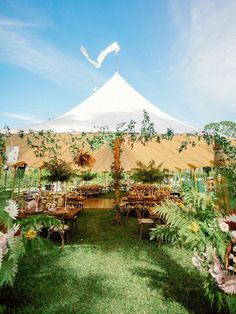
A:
(114, 103)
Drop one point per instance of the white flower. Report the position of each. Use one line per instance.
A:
(231, 256)
(11, 209)
(232, 268)
(223, 226)
(234, 248)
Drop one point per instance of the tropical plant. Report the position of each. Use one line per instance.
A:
(225, 178)
(17, 237)
(149, 173)
(197, 224)
(87, 175)
(58, 171)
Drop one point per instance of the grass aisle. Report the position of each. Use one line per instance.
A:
(105, 269)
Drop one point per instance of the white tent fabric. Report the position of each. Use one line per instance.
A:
(114, 103)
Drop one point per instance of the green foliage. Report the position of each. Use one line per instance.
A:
(224, 128)
(87, 175)
(17, 238)
(195, 211)
(227, 188)
(36, 222)
(194, 225)
(2, 147)
(220, 135)
(59, 170)
(44, 144)
(181, 227)
(5, 219)
(149, 173)
(9, 265)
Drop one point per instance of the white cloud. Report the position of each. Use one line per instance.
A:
(17, 23)
(20, 48)
(22, 117)
(207, 54)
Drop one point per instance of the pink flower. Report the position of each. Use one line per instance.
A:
(216, 270)
(3, 246)
(223, 226)
(3, 242)
(229, 284)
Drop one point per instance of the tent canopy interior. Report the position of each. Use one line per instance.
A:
(165, 152)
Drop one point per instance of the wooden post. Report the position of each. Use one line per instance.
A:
(117, 169)
(105, 180)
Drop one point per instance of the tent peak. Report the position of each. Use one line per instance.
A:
(114, 102)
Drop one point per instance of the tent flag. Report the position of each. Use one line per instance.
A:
(114, 47)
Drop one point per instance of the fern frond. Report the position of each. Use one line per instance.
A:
(37, 221)
(5, 219)
(17, 248)
(164, 234)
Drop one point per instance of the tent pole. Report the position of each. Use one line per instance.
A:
(105, 179)
(14, 180)
(117, 169)
(117, 69)
(195, 179)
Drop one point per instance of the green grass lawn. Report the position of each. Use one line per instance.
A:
(105, 269)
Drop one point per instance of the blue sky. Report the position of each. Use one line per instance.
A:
(179, 54)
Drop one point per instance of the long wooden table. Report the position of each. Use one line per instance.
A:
(66, 213)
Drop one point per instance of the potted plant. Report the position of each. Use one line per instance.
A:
(149, 173)
(58, 171)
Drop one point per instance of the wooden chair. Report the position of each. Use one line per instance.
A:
(143, 222)
(130, 206)
(61, 230)
(73, 222)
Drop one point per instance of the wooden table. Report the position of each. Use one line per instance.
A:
(67, 213)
